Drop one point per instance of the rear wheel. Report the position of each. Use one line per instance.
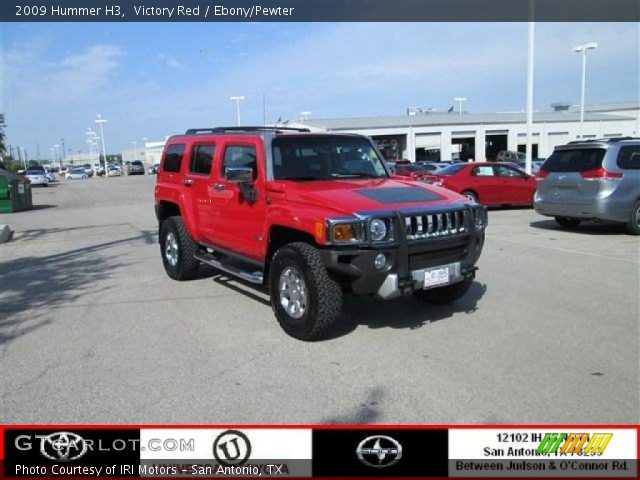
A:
(306, 301)
(567, 222)
(177, 249)
(470, 195)
(633, 225)
(444, 295)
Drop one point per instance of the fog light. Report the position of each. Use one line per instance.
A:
(380, 261)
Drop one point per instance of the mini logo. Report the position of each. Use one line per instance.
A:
(63, 446)
(231, 447)
(379, 451)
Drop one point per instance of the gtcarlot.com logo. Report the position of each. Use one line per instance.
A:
(68, 446)
(169, 445)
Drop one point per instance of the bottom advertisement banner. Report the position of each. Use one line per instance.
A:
(366, 451)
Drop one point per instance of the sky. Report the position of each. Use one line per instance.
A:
(152, 80)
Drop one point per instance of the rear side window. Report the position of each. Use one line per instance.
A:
(173, 158)
(201, 159)
(629, 158)
(574, 160)
(240, 156)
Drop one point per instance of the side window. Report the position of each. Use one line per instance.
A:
(629, 158)
(173, 158)
(507, 172)
(483, 171)
(240, 156)
(201, 159)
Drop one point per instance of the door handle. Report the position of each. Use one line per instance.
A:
(188, 182)
(218, 187)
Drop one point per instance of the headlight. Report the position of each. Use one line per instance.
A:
(377, 229)
(480, 218)
(347, 232)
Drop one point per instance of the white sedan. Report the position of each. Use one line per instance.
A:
(37, 177)
(76, 174)
(114, 172)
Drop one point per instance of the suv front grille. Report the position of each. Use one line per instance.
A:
(432, 225)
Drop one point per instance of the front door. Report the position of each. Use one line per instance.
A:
(240, 224)
(485, 182)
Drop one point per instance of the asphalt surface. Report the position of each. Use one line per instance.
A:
(92, 330)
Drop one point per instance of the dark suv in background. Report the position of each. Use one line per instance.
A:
(135, 168)
(592, 180)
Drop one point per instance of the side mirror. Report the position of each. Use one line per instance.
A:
(238, 174)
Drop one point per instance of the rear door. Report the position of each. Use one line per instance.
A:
(486, 184)
(239, 225)
(565, 172)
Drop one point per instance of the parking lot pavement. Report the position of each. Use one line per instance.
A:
(92, 330)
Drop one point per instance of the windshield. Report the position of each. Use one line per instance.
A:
(452, 169)
(137, 163)
(324, 158)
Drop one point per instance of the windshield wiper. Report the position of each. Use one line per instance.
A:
(302, 178)
(355, 175)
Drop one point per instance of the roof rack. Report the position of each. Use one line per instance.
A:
(603, 140)
(193, 131)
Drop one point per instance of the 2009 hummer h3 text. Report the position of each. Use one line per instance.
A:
(311, 215)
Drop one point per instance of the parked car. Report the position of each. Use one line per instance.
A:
(37, 176)
(510, 156)
(77, 173)
(488, 183)
(391, 166)
(411, 170)
(592, 180)
(289, 212)
(114, 171)
(153, 169)
(428, 166)
(50, 174)
(535, 165)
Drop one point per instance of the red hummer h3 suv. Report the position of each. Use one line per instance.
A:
(311, 216)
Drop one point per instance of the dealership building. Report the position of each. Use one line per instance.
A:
(431, 135)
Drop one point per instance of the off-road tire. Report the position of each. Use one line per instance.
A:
(567, 222)
(324, 294)
(632, 225)
(187, 266)
(444, 295)
(470, 195)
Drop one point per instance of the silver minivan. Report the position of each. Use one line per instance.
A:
(592, 180)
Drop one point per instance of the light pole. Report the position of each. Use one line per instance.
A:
(460, 100)
(56, 146)
(529, 151)
(583, 49)
(99, 120)
(304, 115)
(237, 99)
(135, 149)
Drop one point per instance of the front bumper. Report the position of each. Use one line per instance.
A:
(406, 262)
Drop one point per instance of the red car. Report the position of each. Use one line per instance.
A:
(489, 183)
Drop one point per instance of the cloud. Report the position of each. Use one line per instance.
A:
(170, 62)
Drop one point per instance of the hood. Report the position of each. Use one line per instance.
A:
(364, 195)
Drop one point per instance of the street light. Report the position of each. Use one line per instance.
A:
(135, 149)
(237, 100)
(460, 100)
(583, 49)
(304, 115)
(99, 120)
(56, 146)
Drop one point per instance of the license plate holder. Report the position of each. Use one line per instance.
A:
(436, 277)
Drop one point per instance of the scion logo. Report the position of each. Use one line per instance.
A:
(63, 446)
(379, 451)
(231, 447)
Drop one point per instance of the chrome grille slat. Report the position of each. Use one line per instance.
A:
(431, 225)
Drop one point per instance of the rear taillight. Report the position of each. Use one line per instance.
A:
(600, 174)
(542, 174)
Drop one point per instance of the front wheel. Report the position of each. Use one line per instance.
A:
(306, 301)
(177, 249)
(567, 222)
(444, 295)
(633, 225)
